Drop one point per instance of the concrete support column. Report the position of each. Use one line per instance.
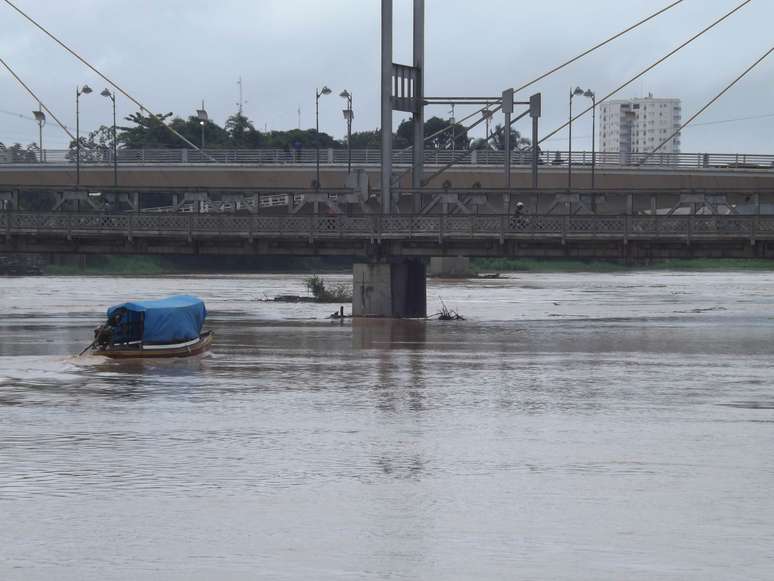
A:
(395, 290)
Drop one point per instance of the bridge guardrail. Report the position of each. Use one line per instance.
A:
(372, 157)
(378, 227)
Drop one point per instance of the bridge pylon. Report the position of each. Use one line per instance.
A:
(402, 90)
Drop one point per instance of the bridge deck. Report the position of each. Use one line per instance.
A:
(472, 235)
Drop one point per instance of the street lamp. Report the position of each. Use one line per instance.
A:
(349, 115)
(112, 97)
(85, 90)
(591, 95)
(203, 118)
(40, 117)
(319, 93)
(577, 92)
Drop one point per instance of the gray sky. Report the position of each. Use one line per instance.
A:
(171, 54)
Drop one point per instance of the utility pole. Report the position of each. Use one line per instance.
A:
(419, 113)
(40, 117)
(387, 106)
(535, 111)
(85, 90)
(408, 97)
(241, 103)
(508, 111)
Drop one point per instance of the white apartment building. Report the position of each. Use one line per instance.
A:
(639, 125)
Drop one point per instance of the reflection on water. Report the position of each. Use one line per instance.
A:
(573, 427)
(387, 335)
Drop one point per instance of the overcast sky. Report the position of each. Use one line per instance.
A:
(171, 54)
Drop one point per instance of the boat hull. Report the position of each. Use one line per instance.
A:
(186, 349)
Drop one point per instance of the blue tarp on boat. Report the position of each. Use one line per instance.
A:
(171, 320)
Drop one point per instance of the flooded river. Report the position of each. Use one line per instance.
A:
(575, 426)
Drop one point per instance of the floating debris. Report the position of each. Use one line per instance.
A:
(339, 315)
(291, 299)
(699, 311)
(447, 314)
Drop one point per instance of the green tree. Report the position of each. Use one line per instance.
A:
(18, 153)
(373, 139)
(96, 146)
(215, 137)
(308, 138)
(148, 132)
(367, 139)
(241, 132)
(497, 141)
(452, 136)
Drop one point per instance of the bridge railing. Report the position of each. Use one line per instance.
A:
(372, 157)
(378, 227)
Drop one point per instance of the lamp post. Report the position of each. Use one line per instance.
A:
(85, 90)
(201, 114)
(40, 117)
(577, 92)
(453, 128)
(591, 95)
(349, 115)
(319, 93)
(112, 97)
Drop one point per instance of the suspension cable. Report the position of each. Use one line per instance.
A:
(557, 68)
(708, 105)
(34, 96)
(648, 69)
(93, 68)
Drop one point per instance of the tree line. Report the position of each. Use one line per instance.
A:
(150, 131)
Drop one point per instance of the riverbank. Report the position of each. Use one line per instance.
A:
(695, 264)
(155, 265)
(161, 265)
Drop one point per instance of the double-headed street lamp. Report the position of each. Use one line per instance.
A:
(201, 114)
(112, 97)
(85, 90)
(349, 115)
(318, 93)
(591, 95)
(40, 117)
(578, 92)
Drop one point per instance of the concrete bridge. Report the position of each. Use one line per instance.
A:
(721, 208)
(272, 168)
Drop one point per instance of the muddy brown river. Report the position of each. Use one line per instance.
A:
(575, 426)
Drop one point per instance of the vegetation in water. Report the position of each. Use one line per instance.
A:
(341, 293)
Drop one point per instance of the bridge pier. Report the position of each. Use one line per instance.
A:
(395, 289)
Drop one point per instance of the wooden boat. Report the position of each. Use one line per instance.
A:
(165, 328)
(136, 350)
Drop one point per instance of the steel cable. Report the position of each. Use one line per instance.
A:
(558, 68)
(709, 104)
(648, 69)
(93, 68)
(34, 96)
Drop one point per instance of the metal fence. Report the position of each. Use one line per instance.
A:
(378, 227)
(372, 157)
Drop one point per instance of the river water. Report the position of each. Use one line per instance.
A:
(575, 426)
